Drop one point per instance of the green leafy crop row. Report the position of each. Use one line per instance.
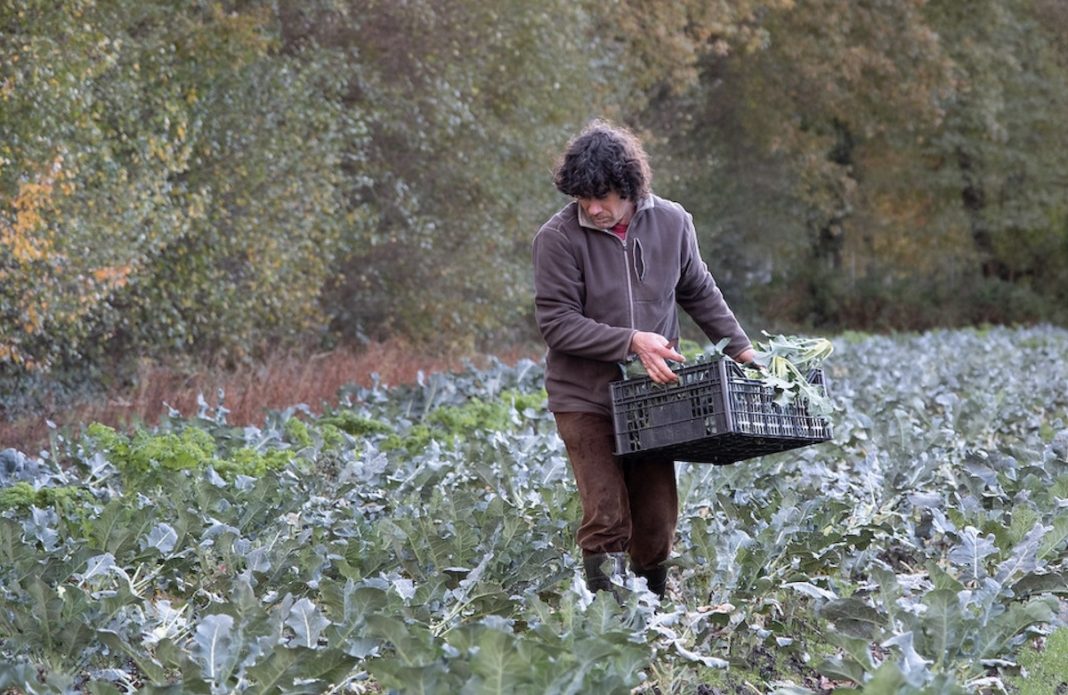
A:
(144, 454)
(23, 495)
(922, 551)
(445, 423)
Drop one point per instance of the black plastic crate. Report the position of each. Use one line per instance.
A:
(712, 414)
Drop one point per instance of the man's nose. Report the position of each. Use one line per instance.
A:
(595, 209)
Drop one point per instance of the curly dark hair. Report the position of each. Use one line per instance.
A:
(601, 159)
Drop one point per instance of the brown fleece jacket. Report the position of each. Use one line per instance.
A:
(593, 291)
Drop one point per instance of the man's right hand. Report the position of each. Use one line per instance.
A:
(653, 350)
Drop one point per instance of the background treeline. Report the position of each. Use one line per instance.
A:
(219, 178)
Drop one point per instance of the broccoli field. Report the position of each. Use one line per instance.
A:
(419, 539)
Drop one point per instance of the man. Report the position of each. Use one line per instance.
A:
(609, 270)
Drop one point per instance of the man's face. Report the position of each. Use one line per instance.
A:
(608, 211)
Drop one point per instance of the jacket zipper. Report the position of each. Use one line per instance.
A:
(630, 286)
(626, 272)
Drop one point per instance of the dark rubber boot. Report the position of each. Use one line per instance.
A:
(600, 569)
(656, 578)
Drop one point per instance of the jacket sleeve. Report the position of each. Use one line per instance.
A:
(698, 294)
(559, 298)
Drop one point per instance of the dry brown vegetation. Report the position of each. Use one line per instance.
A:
(314, 379)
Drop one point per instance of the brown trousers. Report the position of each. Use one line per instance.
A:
(627, 506)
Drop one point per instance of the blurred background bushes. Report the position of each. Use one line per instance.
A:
(214, 180)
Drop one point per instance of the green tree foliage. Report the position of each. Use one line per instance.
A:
(82, 205)
(883, 164)
(999, 152)
(170, 180)
(262, 196)
(466, 102)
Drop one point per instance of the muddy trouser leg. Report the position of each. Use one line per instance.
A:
(654, 503)
(627, 507)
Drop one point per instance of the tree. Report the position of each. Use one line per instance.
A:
(998, 149)
(828, 159)
(153, 181)
(467, 102)
(69, 189)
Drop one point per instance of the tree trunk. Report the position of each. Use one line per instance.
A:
(973, 197)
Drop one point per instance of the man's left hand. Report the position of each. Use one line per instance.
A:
(653, 350)
(746, 356)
